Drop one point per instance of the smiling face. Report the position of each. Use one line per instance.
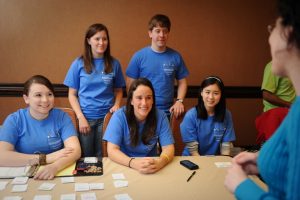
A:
(40, 100)
(159, 36)
(142, 101)
(98, 43)
(211, 96)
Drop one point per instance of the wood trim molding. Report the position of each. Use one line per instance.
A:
(240, 92)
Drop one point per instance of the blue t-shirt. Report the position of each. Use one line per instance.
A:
(161, 69)
(95, 90)
(208, 133)
(278, 163)
(117, 132)
(29, 135)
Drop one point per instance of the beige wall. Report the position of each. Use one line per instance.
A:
(225, 38)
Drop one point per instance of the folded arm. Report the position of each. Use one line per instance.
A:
(145, 165)
(56, 160)
(60, 159)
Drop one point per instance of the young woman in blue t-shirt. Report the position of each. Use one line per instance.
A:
(135, 130)
(95, 82)
(209, 124)
(39, 134)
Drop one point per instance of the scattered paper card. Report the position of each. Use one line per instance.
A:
(42, 197)
(3, 185)
(118, 176)
(47, 186)
(12, 172)
(122, 197)
(19, 188)
(19, 181)
(119, 184)
(223, 164)
(90, 159)
(96, 186)
(13, 198)
(68, 197)
(88, 196)
(67, 180)
(82, 187)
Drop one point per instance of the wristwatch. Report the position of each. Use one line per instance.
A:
(180, 100)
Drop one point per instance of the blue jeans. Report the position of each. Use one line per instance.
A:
(91, 143)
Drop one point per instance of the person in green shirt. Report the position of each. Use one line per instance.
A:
(277, 91)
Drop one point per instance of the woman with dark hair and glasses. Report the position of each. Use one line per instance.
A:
(95, 82)
(39, 134)
(278, 160)
(209, 124)
(134, 131)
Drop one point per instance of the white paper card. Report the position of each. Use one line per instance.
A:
(122, 197)
(82, 187)
(90, 160)
(42, 197)
(88, 196)
(68, 197)
(3, 185)
(96, 186)
(118, 176)
(11, 172)
(13, 198)
(19, 188)
(119, 184)
(67, 179)
(223, 164)
(19, 180)
(47, 186)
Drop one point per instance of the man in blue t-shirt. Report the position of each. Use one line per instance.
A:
(161, 65)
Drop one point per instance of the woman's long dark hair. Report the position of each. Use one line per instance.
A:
(220, 108)
(87, 54)
(150, 124)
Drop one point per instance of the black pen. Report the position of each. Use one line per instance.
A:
(194, 172)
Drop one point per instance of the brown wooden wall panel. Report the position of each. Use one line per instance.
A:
(224, 38)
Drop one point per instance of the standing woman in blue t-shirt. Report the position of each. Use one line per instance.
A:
(39, 134)
(135, 130)
(95, 82)
(209, 124)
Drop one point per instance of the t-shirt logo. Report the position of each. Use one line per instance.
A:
(107, 78)
(169, 68)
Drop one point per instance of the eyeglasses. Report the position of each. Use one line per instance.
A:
(270, 28)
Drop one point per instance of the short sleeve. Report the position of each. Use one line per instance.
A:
(270, 81)
(229, 133)
(182, 71)
(115, 129)
(9, 130)
(72, 79)
(188, 127)
(164, 130)
(67, 126)
(133, 69)
(119, 79)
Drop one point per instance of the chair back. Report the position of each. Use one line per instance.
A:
(104, 126)
(175, 127)
(72, 114)
(268, 122)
